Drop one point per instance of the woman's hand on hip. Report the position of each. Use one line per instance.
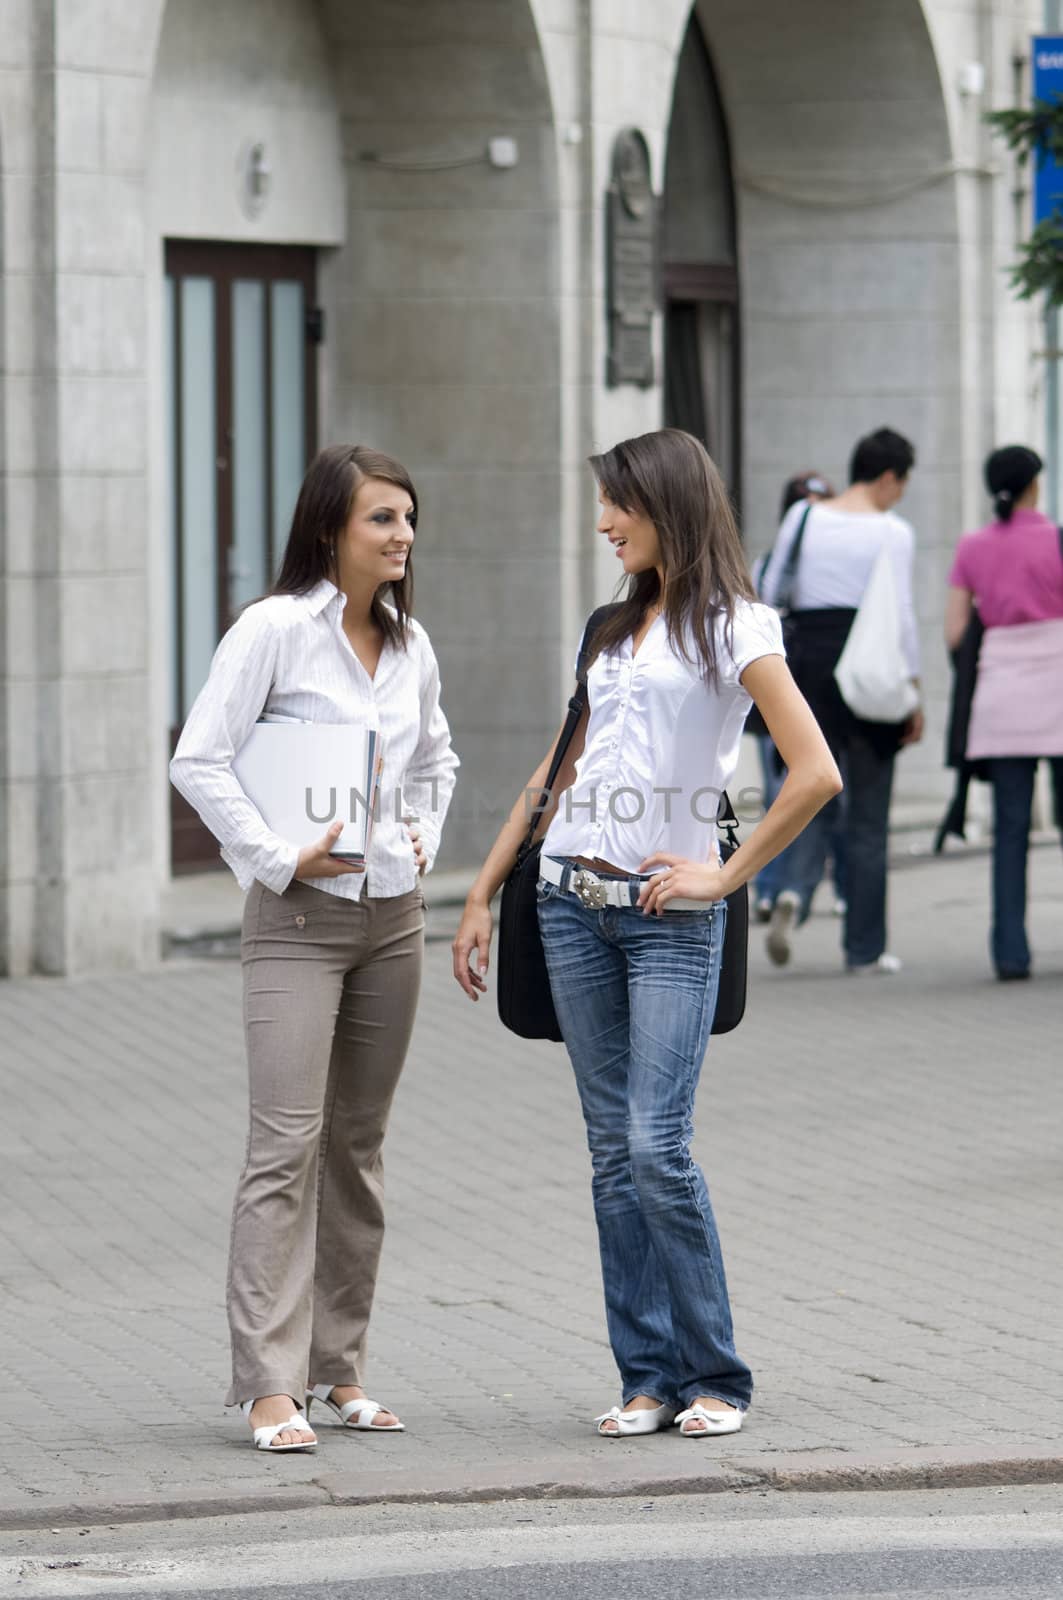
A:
(683, 880)
(472, 948)
(418, 848)
(316, 862)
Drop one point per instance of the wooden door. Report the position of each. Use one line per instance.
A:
(241, 335)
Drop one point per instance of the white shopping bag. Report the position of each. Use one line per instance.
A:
(872, 673)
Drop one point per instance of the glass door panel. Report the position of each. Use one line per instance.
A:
(169, 361)
(287, 402)
(249, 554)
(197, 500)
(241, 422)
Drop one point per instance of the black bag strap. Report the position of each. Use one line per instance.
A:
(590, 633)
(784, 593)
(725, 816)
(575, 711)
(727, 821)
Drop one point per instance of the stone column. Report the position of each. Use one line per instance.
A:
(78, 887)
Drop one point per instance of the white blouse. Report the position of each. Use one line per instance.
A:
(289, 655)
(662, 745)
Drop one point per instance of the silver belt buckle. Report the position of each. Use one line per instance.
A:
(589, 890)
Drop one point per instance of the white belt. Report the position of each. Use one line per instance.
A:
(596, 893)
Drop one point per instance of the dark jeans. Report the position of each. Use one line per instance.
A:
(635, 997)
(1013, 780)
(867, 772)
(781, 872)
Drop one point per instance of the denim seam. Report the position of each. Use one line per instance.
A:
(692, 1186)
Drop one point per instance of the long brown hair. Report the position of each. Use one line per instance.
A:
(670, 477)
(321, 513)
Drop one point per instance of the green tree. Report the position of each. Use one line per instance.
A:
(1030, 134)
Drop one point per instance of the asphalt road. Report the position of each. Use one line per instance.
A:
(748, 1546)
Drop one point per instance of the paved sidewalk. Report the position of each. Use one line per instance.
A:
(884, 1160)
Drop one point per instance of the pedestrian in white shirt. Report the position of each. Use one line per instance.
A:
(840, 542)
(634, 959)
(331, 952)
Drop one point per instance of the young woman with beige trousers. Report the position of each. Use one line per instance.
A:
(331, 952)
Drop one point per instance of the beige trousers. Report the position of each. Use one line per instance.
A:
(330, 991)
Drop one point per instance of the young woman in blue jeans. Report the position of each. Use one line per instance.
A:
(632, 907)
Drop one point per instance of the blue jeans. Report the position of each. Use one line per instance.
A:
(824, 835)
(868, 777)
(771, 878)
(1013, 779)
(801, 865)
(635, 998)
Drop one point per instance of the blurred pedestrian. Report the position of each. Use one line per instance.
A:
(840, 541)
(776, 876)
(632, 908)
(331, 952)
(1012, 571)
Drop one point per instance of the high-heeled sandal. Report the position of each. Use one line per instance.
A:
(715, 1422)
(362, 1410)
(634, 1422)
(265, 1436)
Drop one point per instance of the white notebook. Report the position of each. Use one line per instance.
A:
(302, 776)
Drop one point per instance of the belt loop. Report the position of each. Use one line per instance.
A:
(566, 874)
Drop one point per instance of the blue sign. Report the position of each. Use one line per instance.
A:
(1047, 85)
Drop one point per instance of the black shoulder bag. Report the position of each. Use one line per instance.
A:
(525, 1003)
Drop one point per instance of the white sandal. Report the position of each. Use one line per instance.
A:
(363, 1410)
(264, 1437)
(715, 1422)
(633, 1422)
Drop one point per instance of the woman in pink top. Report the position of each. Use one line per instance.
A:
(1012, 570)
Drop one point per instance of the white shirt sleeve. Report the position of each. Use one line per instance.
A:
(757, 632)
(433, 765)
(902, 559)
(225, 711)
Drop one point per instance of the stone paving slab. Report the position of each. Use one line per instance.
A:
(883, 1156)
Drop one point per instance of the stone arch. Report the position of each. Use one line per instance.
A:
(848, 230)
(223, 76)
(848, 247)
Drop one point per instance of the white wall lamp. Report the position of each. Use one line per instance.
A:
(254, 177)
(970, 80)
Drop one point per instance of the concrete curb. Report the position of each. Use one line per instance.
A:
(99, 1511)
(800, 1473)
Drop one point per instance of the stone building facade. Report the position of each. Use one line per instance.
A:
(232, 230)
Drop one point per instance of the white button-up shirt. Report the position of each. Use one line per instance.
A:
(288, 655)
(662, 745)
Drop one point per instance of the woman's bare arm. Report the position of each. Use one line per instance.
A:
(959, 607)
(812, 776)
(812, 779)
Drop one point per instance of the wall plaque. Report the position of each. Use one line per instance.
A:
(631, 266)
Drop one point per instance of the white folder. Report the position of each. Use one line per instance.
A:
(302, 776)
